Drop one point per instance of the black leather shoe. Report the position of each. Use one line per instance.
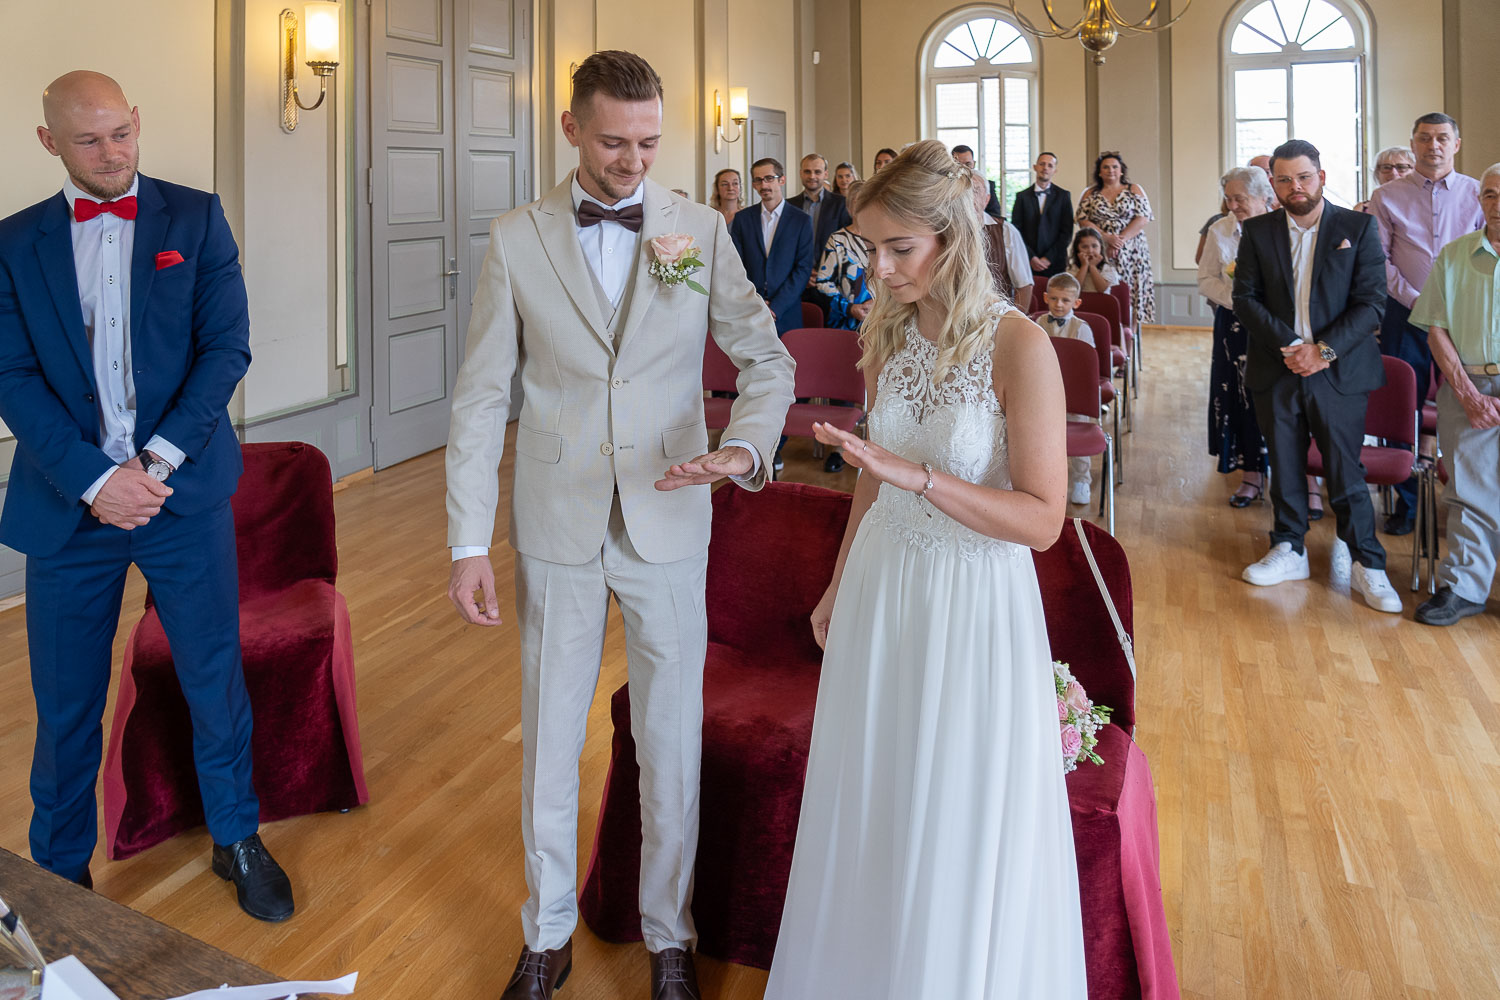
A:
(1446, 607)
(264, 890)
(673, 975)
(834, 462)
(539, 974)
(1398, 524)
(86, 880)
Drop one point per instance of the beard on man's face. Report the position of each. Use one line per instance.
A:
(1302, 203)
(107, 186)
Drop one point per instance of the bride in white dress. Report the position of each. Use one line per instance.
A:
(934, 853)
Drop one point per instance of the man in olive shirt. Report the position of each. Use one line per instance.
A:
(1460, 309)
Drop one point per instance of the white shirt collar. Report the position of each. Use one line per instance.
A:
(637, 197)
(774, 213)
(72, 192)
(1042, 190)
(1293, 227)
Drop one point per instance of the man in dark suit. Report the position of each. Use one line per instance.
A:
(1309, 287)
(124, 330)
(1043, 213)
(775, 241)
(965, 155)
(829, 213)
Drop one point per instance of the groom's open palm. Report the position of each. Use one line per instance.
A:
(731, 461)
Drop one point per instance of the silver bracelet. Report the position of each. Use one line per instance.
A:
(923, 494)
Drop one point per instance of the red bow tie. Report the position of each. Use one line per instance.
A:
(84, 209)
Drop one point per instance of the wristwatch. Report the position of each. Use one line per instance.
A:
(1326, 353)
(157, 468)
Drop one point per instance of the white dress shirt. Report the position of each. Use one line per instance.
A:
(1041, 197)
(102, 253)
(769, 220)
(1304, 242)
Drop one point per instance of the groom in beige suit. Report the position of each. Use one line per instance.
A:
(611, 492)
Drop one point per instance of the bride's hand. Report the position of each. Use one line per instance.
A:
(883, 465)
(822, 615)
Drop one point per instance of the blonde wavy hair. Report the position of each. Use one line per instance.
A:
(926, 188)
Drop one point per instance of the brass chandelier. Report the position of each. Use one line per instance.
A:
(1098, 28)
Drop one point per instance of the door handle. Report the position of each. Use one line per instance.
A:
(452, 275)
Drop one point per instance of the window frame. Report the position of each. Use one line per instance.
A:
(1292, 55)
(930, 75)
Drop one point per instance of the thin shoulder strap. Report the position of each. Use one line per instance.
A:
(1126, 646)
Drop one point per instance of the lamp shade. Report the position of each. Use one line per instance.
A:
(739, 103)
(322, 31)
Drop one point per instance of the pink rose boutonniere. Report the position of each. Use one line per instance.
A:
(674, 259)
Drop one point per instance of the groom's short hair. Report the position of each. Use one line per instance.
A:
(624, 76)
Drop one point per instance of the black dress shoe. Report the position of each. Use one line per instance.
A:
(1398, 524)
(86, 880)
(263, 889)
(834, 462)
(673, 975)
(539, 974)
(1446, 607)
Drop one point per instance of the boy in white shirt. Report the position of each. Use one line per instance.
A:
(1063, 292)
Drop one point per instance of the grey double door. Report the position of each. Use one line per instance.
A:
(450, 126)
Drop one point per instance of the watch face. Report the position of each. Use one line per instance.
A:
(159, 471)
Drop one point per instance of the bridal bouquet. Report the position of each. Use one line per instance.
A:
(674, 258)
(1078, 718)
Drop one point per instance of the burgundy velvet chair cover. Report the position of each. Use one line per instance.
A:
(768, 563)
(719, 375)
(298, 661)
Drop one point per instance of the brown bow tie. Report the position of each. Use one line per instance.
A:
(591, 213)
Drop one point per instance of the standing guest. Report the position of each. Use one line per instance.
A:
(829, 213)
(727, 194)
(679, 192)
(1460, 306)
(1233, 435)
(124, 330)
(566, 299)
(883, 156)
(1309, 289)
(1087, 265)
(1003, 248)
(1264, 162)
(776, 243)
(1120, 211)
(1062, 295)
(1392, 164)
(844, 175)
(1419, 215)
(1044, 215)
(965, 155)
(841, 275)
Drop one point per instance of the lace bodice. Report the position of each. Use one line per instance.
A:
(955, 425)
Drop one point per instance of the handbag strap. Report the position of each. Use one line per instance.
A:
(1126, 646)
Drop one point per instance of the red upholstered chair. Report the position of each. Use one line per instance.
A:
(1106, 305)
(1099, 327)
(827, 369)
(769, 562)
(1081, 395)
(299, 670)
(1039, 289)
(812, 315)
(719, 375)
(1121, 291)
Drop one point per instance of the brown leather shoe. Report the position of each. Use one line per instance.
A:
(673, 975)
(539, 974)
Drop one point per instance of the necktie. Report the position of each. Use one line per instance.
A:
(591, 213)
(84, 209)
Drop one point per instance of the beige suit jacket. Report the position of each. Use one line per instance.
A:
(595, 420)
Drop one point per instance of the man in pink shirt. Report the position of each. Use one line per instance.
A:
(1420, 214)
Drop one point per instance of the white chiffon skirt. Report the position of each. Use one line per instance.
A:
(934, 854)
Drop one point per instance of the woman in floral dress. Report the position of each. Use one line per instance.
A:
(1120, 210)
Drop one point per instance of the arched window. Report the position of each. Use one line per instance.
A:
(1295, 69)
(980, 90)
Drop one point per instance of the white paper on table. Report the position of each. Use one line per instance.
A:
(69, 979)
(270, 991)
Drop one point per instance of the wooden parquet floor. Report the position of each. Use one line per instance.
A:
(1328, 777)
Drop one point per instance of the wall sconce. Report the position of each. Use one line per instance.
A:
(322, 17)
(739, 111)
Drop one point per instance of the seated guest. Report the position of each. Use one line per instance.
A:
(775, 241)
(1460, 307)
(1062, 298)
(1043, 214)
(1087, 265)
(1392, 164)
(844, 175)
(1003, 249)
(965, 155)
(841, 275)
(883, 156)
(727, 194)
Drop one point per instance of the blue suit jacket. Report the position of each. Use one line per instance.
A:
(189, 335)
(783, 277)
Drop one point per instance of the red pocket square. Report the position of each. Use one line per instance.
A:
(167, 258)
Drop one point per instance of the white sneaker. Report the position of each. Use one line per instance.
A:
(1277, 566)
(1079, 492)
(1338, 570)
(1379, 594)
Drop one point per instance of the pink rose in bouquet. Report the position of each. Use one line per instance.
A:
(1062, 710)
(1076, 698)
(1071, 741)
(672, 248)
